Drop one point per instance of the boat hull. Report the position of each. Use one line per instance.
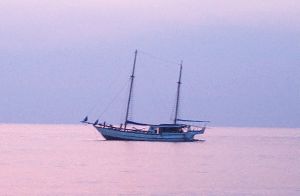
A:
(117, 134)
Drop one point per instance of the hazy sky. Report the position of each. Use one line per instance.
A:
(61, 60)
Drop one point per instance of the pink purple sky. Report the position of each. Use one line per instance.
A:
(61, 60)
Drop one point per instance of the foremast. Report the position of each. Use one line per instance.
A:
(178, 94)
(130, 90)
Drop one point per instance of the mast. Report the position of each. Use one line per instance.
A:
(178, 93)
(130, 90)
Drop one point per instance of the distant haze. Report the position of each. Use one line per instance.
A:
(62, 60)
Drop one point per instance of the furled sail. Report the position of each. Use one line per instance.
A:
(136, 123)
(182, 120)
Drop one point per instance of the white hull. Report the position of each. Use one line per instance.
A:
(117, 134)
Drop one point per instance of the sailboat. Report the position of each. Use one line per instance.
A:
(180, 130)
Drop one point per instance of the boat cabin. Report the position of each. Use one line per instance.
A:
(167, 128)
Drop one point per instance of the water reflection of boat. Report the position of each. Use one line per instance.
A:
(175, 132)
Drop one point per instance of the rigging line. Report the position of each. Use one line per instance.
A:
(109, 86)
(123, 107)
(131, 108)
(172, 114)
(113, 100)
(159, 58)
(132, 103)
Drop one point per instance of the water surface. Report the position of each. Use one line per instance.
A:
(76, 160)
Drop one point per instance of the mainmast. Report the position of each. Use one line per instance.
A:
(130, 90)
(178, 93)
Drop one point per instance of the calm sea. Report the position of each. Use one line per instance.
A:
(76, 160)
